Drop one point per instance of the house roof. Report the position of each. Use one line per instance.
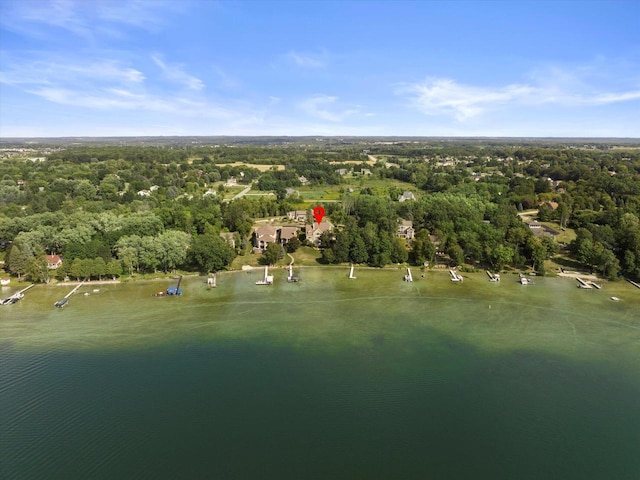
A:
(315, 227)
(288, 232)
(266, 231)
(406, 223)
(53, 258)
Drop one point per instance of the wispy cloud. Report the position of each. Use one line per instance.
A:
(320, 106)
(86, 19)
(308, 60)
(109, 85)
(41, 72)
(176, 73)
(443, 96)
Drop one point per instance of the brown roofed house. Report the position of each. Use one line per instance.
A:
(53, 261)
(263, 236)
(315, 230)
(287, 233)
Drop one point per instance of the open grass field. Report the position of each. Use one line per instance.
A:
(257, 166)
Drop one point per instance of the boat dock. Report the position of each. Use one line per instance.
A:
(595, 285)
(16, 297)
(408, 277)
(211, 281)
(291, 278)
(351, 275)
(524, 280)
(493, 277)
(637, 285)
(583, 284)
(63, 301)
(454, 276)
(267, 280)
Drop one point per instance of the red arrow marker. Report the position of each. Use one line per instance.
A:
(318, 213)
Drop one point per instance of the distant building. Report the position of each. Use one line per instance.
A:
(406, 196)
(315, 230)
(229, 237)
(209, 193)
(231, 182)
(406, 230)
(297, 215)
(144, 193)
(303, 180)
(5, 281)
(53, 261)
(341, 171)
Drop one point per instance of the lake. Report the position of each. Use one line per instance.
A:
(329, 378)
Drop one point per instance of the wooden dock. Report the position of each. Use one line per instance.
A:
(583, 284)
(635, 284)
(351, 275)
(16, 297)
(408, 277)
(63, 301)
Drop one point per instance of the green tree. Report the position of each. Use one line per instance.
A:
(293, 244)
(210, 253)
(399, 253)
(114, 268)
(272, 254)
(17, 261)
(37, 268)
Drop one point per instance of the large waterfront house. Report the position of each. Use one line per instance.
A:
(263, 236)
(315, 230)
(287, 233)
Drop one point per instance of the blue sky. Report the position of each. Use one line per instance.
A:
(423, 68)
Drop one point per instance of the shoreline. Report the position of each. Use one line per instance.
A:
(249, 268)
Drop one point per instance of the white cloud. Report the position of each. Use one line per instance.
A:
(319, 106)
(86, 19)
(442, 96)
(41, 72)
(308, 60)
(175, 73)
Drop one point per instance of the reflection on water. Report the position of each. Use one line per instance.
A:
(328, 378)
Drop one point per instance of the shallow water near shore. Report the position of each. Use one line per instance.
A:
(326, 378)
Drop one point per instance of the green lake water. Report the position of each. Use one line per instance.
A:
(329, 378)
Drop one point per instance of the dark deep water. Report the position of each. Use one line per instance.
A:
(250, 411)
(374, 379)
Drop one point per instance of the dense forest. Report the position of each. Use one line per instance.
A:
(115, 210)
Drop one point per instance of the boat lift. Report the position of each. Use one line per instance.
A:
(63, 301)
(16, 297)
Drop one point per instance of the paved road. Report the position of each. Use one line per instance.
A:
(241, 194)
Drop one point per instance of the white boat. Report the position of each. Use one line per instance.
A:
(524, 280)
(615, 299)
(493, 277)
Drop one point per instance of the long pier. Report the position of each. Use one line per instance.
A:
(63, 301)
(16, 297)
(635, 284)
(583, 284)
